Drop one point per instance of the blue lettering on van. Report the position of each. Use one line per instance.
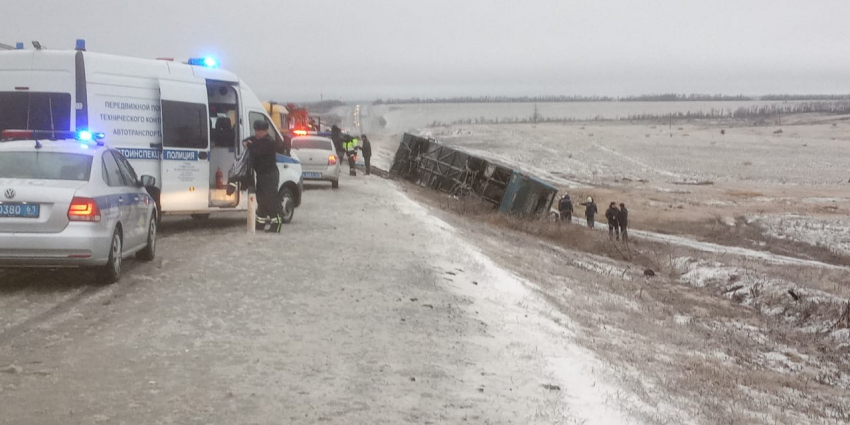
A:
(140, 153)
(173, 155)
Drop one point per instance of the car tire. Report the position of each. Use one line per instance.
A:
(111, 271)
(200, 216)
(287, 201)
(149, 252)
(335, 184)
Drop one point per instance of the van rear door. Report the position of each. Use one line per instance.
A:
(185, 140)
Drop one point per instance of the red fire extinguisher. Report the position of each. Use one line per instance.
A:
(219, 179)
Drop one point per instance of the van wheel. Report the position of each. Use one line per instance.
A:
(149, 252)
(287, 201)
(335, 184)
(111, 271)
(200, 216)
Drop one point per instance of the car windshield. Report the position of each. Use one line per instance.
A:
(35, 111)
(45, 166)
(312, 144)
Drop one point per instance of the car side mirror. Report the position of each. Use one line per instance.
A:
(148, 181)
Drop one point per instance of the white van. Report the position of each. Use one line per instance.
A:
(182, 124)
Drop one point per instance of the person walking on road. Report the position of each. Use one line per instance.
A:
(590, 211)
(565, 209)
(350, 146)
(613, 227)
(366, 149)
(264, 160)
(623, 220)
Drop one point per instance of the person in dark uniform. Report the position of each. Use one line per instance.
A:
(264, 160)
(366, 148)
(336, 137)
(565, 208)
(613, 225)
(623, 220)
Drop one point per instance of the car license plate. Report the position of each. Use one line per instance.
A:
(19, 210)
(312, 175)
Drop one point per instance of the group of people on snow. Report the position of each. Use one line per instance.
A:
(618, 218)
(346, 144)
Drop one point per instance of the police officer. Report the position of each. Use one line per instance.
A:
(366, 149)
(264, 160)
(349, 146)
(565, 208)
(336, 137)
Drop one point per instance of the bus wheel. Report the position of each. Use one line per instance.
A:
(200, 216)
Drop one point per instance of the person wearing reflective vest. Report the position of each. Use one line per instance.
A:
(349, 145)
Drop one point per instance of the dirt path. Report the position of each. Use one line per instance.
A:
(366, 310)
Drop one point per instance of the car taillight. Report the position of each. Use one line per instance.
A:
(83, 209)
(331, 159)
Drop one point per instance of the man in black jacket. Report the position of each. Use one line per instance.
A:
(565, 208)
(366, 148)
(336, 138)
(613, 226)
(623, 221)
(264, 161)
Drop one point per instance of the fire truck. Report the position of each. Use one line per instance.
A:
(290, 119)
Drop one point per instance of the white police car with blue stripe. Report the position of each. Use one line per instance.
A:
(67, 200)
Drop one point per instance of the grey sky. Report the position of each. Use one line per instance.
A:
(295, 50)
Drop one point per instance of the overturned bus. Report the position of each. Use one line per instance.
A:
(431, 164)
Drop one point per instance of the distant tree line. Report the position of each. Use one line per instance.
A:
(323, 106)
(749, 112)
(662, 97)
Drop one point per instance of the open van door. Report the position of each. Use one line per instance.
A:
(185, 146)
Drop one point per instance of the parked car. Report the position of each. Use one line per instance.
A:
(319, 160)
(69, 201)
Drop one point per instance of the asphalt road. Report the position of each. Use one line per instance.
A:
(361, 311)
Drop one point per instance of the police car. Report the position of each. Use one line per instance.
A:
(68, 200)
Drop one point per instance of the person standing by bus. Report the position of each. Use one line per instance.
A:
(565, 209)
(264, 160)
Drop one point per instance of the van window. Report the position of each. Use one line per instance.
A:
(35, 111)
(184, 125)
(111, 172)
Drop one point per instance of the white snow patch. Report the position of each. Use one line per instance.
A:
(573, 368)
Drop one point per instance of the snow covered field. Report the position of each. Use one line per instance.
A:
(731, 196)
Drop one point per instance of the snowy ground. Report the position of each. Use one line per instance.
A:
(366, 309)
(747, 228)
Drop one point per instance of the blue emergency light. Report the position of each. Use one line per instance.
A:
(19, 46)
(88, 136)
(207, 61)
(81, 44)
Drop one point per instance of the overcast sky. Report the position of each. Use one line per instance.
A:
(366, 49)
